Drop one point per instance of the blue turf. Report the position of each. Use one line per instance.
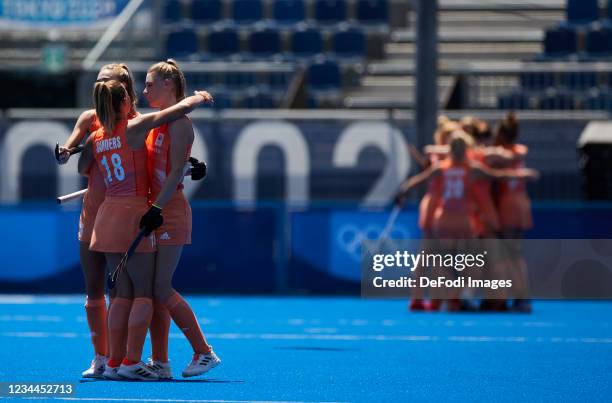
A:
(335, 349)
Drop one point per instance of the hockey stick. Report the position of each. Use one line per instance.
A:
(71, 196)
(112, 277)
(388, 227)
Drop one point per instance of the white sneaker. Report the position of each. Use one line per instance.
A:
(97, 367)
(162, 369)
(138, 371)
(201, 363)
(111, 373)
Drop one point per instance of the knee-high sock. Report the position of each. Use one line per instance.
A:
(110, 304)
(96, 318)
(138, 325)
(185, 319)
(160, 328)
(118, 316)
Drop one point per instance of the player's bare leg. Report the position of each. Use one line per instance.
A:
(94, 269)
(118, 316)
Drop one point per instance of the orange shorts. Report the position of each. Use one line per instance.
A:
(485, 216)
(176, 229)
(452, 225)
(91, 203)
(117, 225)
(515, 212)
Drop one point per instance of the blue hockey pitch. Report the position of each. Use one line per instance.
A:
(332, 350)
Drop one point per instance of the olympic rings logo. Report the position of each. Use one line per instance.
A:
(350, 236)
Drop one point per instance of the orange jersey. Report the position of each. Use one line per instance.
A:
(454, 188)
(429, 201)
(123, 168)
(158, 158)
(451, 218)
(513, 202)
(95, 181)
(484, 213)
(93, 198)
(507, 186)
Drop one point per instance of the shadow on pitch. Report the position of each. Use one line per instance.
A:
(165, 381)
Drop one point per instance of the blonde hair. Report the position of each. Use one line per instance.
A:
(122, 73)
(170, 70)
(468, 124)
(442, 135)
(442, 119)
(107, 98)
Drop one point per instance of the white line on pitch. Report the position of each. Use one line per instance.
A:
(346, 337)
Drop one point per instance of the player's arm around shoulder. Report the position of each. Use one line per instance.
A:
(138, 128)
(481, 171)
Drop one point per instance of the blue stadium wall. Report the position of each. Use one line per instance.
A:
(283, 209)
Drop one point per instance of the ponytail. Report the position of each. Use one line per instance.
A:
(170, 70)
(507, 128)
(107, 98)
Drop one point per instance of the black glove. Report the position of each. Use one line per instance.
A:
(151, 220)
(198, 169)
(399, 199)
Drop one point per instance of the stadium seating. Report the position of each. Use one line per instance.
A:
(306, 42)
(233, 80)
(199, 79)
(598, 42)
(206, 11)
(598, 100)
(373, 11)
(537, 80)
(265, 42)
(516, 100)
(324, 75)
(349, 43)
(278, 81)
(288, 11)
(560, 41)
(182, 43)
(583, 37)
(258, 99)
(247, 11)
(330, 11)
(223, 42)
(222, 98)
(579, 80)
(172, 11)
(256, 30)
(582, 11)
(557, 100)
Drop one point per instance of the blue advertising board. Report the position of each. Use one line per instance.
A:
(59, 12)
